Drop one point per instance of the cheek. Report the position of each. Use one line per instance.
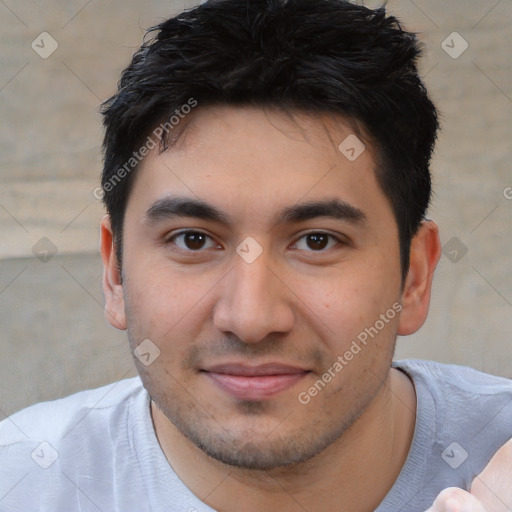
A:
(154, 301)
(349, 299)
(361, 318)
(163, 303)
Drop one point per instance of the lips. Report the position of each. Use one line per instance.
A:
(254, 383)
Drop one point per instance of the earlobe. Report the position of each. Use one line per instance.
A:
(112, 286)
(424, 256)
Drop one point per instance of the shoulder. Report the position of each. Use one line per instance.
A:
(70, 453)
(51, 450)
(463, 418)
(464, 403)
(457, 378)
(54, 420)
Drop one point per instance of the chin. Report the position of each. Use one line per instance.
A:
(257, 443)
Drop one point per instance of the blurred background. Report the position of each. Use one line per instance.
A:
(61, 58)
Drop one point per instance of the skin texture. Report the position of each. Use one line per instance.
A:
(453, 499)
(490, 491)
(492, 486)
(295, 304)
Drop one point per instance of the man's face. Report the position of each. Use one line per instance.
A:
(242, 334)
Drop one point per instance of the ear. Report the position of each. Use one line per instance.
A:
(112, 287)
(424, 256)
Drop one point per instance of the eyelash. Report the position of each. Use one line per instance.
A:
(171, 239)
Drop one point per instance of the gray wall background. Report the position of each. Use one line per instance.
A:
(54, 339)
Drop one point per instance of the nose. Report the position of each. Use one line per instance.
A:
(253, 301)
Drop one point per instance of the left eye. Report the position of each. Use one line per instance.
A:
(317, 241)
(192, 240)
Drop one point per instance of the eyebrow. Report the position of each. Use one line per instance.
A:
(179, 206)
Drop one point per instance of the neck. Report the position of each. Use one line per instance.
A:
(356, 471)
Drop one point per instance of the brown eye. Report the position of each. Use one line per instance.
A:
(190, 240)
(194, 240)
(317, 240)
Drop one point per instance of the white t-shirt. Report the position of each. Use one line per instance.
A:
(97, 450)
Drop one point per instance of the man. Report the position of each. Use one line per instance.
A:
(266, 180)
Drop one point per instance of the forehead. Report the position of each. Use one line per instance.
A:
(259, 161)
(312, 134)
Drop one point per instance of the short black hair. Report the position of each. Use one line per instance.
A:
(315, 56)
